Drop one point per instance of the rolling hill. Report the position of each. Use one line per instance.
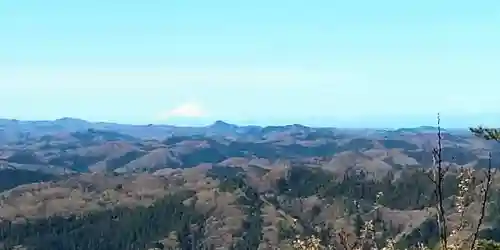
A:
(245, 187)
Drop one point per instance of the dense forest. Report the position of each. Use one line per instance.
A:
(120, 228)
(138, 228)
(142, 227)
(412, 190)
(10, 178)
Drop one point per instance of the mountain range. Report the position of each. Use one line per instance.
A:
(255, 187)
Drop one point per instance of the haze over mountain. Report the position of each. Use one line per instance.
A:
(74, 145)
(339, 63)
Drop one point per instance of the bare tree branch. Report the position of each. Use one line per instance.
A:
(439, 183)
(343, 241)
(486, 190)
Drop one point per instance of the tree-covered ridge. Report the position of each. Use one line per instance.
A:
(10, 178)
(119, 228)
(143, 227)
(411, 189)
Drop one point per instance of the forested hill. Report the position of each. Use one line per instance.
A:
(244, 209)
(239, 187)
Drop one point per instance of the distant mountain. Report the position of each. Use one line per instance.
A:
(221, 125)
(421, 129)
(73, 145)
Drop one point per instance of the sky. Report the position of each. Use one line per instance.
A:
(383, 63)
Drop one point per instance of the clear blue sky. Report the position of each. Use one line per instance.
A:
(328, 62)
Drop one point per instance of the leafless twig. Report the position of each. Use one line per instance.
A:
(485, 190)
(438, 180)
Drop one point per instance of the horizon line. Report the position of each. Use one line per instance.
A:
(238, 124)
